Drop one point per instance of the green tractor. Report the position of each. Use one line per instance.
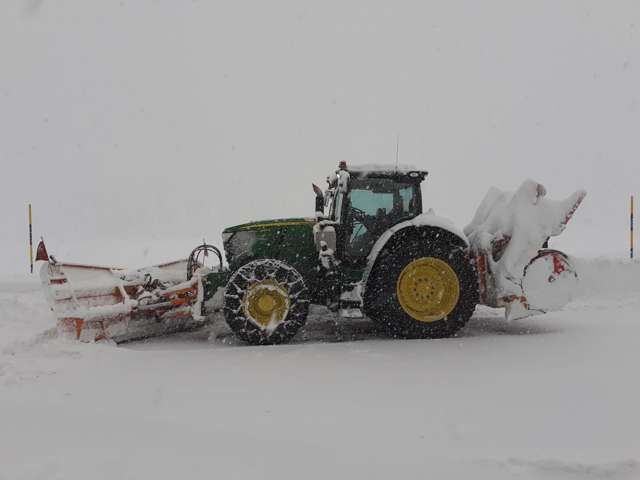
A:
(370, 251)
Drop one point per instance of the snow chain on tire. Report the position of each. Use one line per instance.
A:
(266, 302)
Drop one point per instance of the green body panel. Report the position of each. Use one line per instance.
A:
(352, 273)
(212, 281)
(289, 240)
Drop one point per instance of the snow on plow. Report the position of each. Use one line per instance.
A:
(508, 236)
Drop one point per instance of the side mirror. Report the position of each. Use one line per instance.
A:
(319, 206)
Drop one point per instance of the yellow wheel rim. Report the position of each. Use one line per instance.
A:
(428, 289)
(266, 303)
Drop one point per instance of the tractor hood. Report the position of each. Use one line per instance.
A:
(278, 223)
(286, 239)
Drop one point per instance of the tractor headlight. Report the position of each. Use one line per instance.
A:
(226, 236)
(240, 243)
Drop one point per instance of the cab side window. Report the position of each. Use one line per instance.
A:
(375, 205)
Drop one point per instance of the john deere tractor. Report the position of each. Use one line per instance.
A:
(369, 251)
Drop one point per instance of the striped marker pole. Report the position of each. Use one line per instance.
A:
(30, 240)
(631, 224)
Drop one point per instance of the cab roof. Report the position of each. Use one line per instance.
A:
(402, 172)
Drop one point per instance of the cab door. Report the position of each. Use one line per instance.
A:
(372, 206)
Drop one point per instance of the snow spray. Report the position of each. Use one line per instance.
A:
(30, 240)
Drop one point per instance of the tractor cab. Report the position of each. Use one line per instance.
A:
(363, 203)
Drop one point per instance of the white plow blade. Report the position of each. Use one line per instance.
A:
(93, 303)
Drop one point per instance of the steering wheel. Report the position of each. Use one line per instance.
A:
(359, 215)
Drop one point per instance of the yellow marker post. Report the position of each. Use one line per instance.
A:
(30, 240)
(631, 224)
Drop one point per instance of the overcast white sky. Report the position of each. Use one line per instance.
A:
(137, 127)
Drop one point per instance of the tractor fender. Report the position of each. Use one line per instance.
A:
(424, 220)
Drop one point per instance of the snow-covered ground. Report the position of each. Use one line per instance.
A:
(553, 397)
(136, 128)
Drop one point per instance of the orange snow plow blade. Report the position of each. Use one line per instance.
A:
(93, 303)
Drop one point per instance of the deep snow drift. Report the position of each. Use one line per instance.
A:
(545, 397)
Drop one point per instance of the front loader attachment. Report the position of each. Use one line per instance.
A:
(509, 236)
(93, 303)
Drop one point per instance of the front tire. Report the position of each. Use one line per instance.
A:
(423, 286)
(266, 302)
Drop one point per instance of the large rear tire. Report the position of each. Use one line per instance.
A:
(423, 286)
(266, 302)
